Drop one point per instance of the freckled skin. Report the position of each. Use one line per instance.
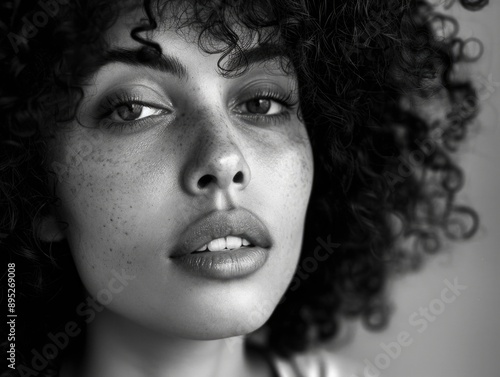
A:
(129, 195)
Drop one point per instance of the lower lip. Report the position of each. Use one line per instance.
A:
(227, 264)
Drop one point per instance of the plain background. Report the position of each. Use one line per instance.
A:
(464, 340)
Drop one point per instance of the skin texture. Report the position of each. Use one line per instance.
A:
(128, 193)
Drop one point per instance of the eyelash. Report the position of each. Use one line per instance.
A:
(113, 102)
(285, 100)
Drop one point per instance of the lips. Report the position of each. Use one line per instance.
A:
(218, 224)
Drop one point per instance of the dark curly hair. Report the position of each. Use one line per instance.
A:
(368, 72)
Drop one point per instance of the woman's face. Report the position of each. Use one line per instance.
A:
(168, 155)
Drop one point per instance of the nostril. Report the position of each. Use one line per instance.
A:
(208, 179)
(238, 177)
(205, 180)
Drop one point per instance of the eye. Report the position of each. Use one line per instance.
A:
(267, 104)
(127, 112)
(263, 106)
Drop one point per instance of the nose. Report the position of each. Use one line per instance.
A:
(216, 161)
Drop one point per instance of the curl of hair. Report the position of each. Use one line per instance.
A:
(379, 160)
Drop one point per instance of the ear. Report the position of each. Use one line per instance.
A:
(50, 229)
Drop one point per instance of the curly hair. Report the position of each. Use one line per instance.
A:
(384, 169)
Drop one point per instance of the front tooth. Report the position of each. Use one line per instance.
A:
(245, 242)
(217, 244)
(233, 242)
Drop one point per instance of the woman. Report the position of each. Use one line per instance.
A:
(206, 188)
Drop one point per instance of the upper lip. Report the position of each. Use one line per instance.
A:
(238, 222)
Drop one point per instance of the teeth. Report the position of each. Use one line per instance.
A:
(233, 242)
(217, 244)
(229, 242)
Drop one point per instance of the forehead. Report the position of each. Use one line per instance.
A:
(216, 27)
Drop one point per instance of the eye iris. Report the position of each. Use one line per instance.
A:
(259, 106)
(129, 112)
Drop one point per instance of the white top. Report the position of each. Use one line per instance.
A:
(318, 363)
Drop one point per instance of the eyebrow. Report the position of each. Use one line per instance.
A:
(144, 57)
(255, 55)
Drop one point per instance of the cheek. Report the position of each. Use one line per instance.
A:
(283, 179)
(109, 198)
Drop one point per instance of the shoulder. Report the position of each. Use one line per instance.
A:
(317, 363)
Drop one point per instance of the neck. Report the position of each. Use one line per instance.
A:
(118, 348)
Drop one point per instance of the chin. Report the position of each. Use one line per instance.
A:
(219, 317)
(214, 331)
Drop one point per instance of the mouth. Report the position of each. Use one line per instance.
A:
(222, 231)
(224, 244)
